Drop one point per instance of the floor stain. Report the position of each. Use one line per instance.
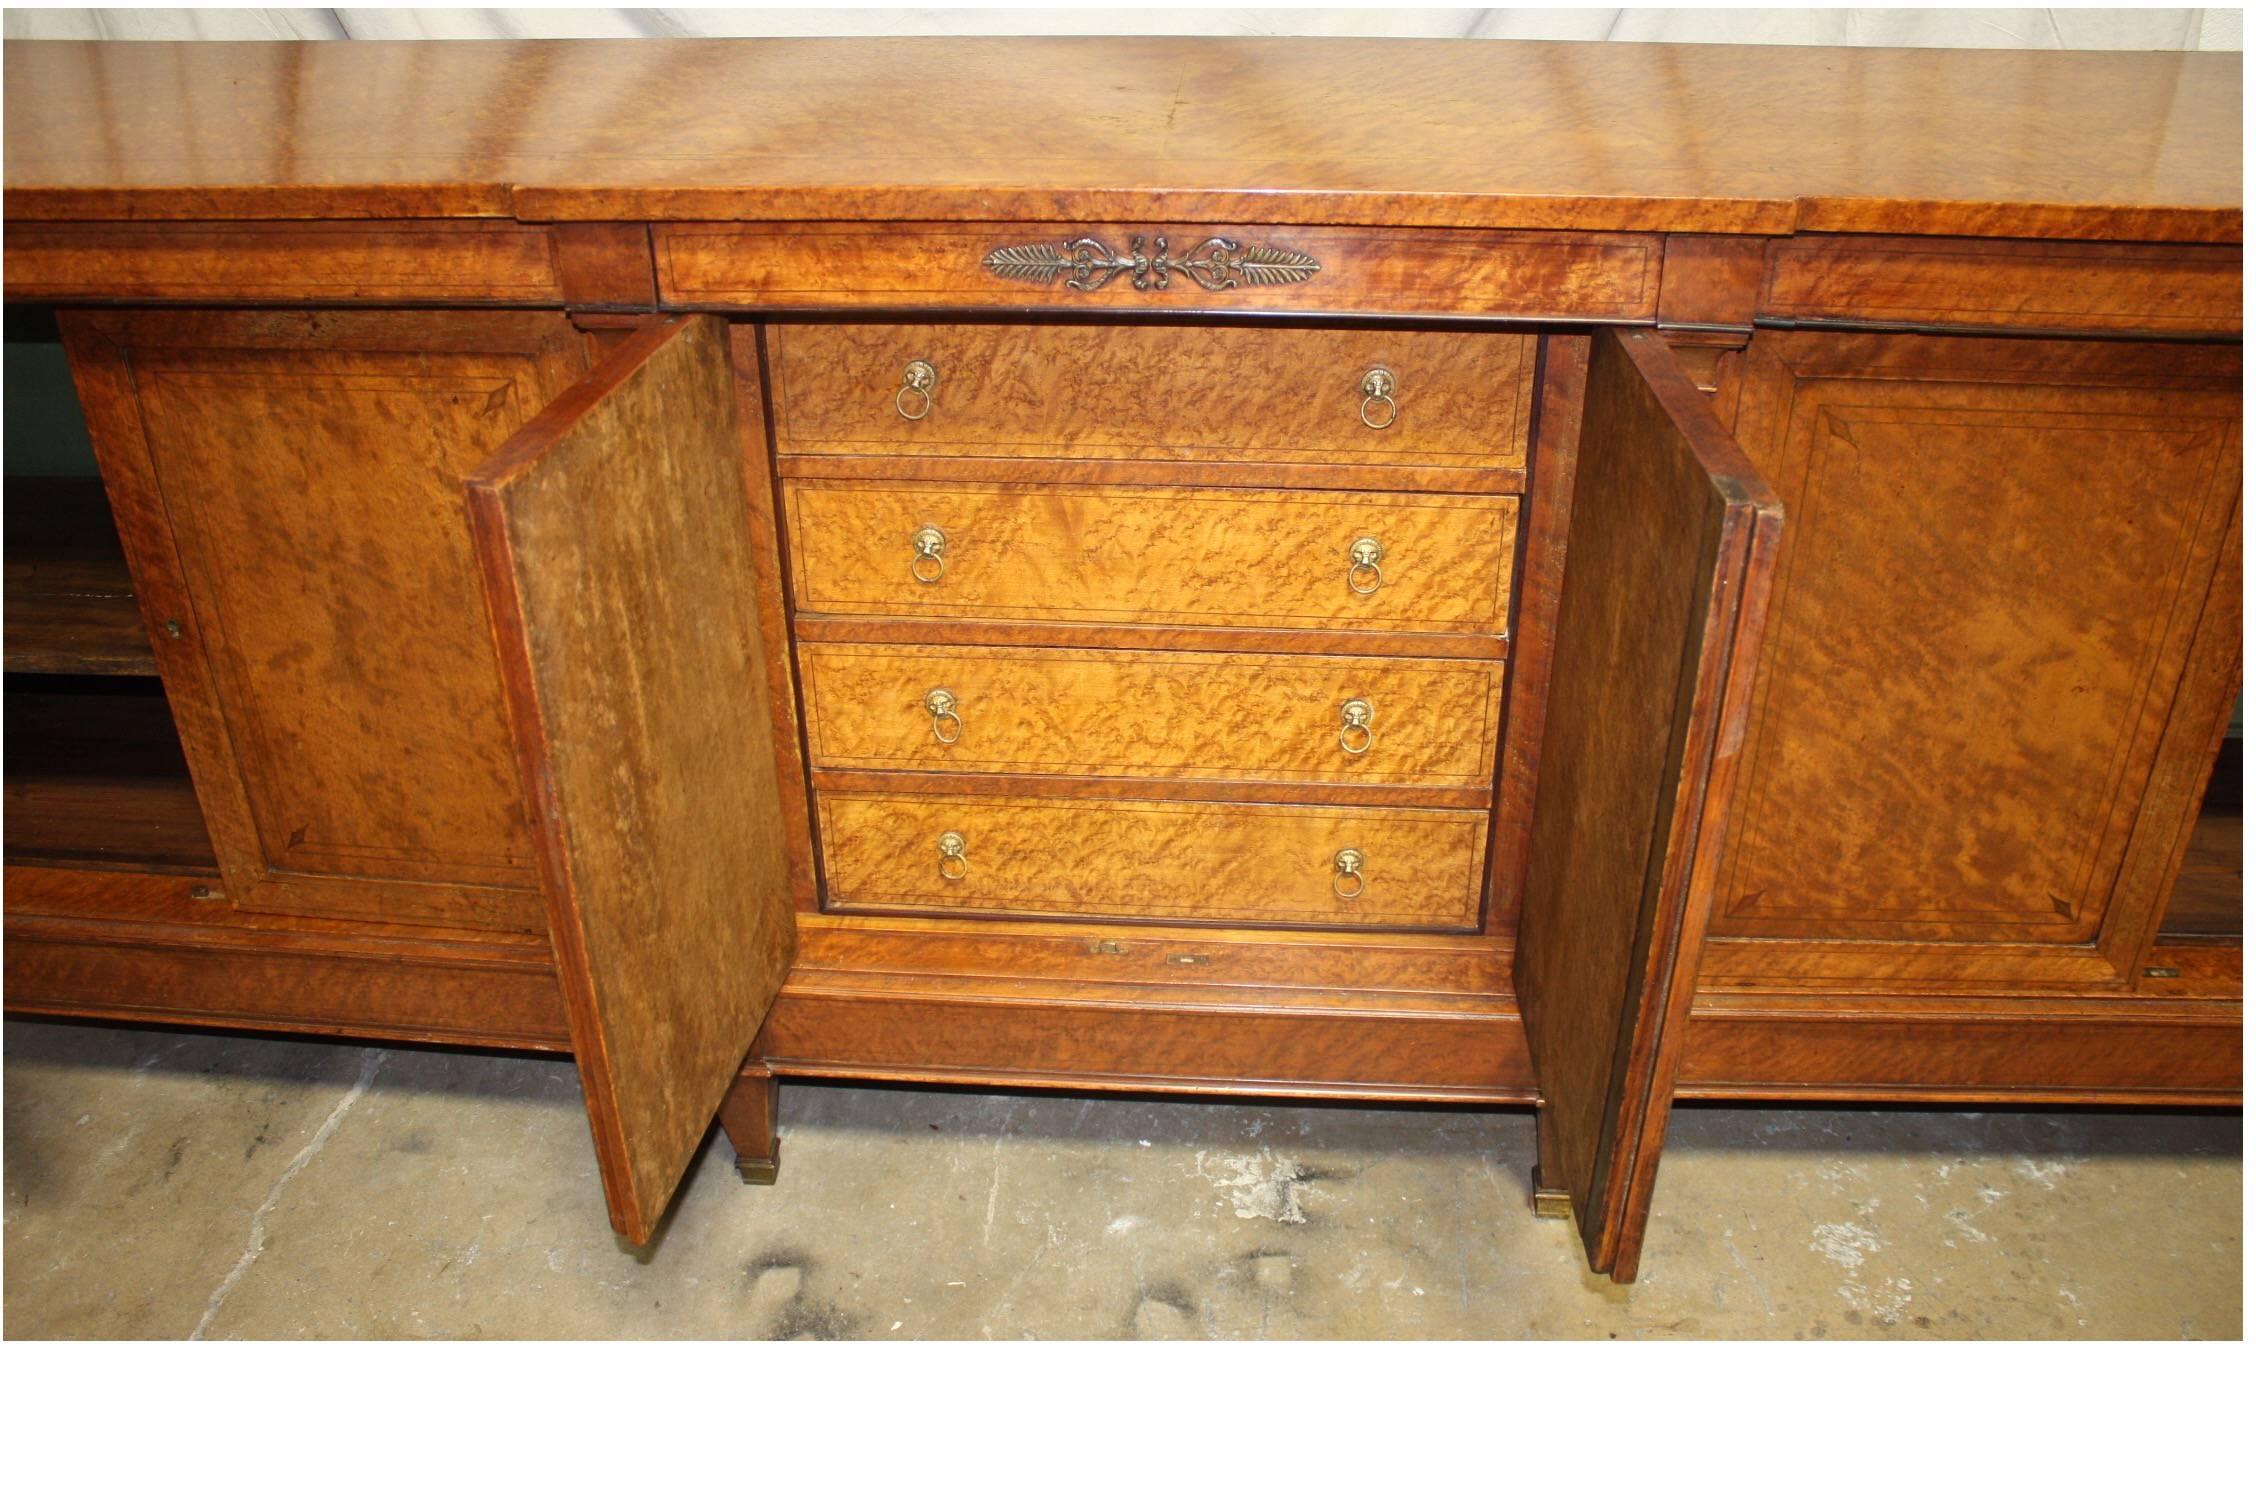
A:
(160, 1183)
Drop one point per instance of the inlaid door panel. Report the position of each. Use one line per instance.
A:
(289, 490)
(1995, 560)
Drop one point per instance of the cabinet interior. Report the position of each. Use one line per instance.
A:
(94, 773)
(2205, 899)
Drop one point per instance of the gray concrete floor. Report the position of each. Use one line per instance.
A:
(165, 1185)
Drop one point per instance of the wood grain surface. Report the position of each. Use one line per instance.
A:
(2145, 1052)
(95, 779)
(1888, 279)
(1154, 392)
(69, 598)
(1209, 557)
(1024, 1003)
(1995, 560)
(2206, 898)
(1436, 273)
(1119, 714)
(287, 489)
(1256, 863)
(1668, 561)
(617, 553)
(1146, 130)
(159, 948)
(436, 261)
(1542, 540)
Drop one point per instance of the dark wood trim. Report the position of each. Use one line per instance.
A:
(1546, 515)
(1922, 1049)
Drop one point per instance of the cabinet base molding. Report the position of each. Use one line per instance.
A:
(1927, 1049)
(168, 950)
(1147, 1008)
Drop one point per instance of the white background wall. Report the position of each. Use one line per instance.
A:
(1943, 27)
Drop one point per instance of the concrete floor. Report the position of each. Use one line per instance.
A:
(163, 1184)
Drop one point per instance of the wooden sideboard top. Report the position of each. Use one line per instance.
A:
(1170, 131)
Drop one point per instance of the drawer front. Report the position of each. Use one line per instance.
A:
(1039, 552)
(1286, 396)
(1980, 284)
(1406, 722)
(401, 261)
(1248, 863)
(1537, 274)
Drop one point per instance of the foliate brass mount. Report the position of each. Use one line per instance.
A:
(1355, 734)
(930, 561)
(953, 863)
(1347, 874)
(947, 723)
(1088, 264)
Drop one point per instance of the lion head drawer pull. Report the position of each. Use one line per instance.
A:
(947, 724)
(1347, 874)
(914, 399)
(1356, 736)
(1378, 398)
(953, 863)
(1363, 557)
(930, 561)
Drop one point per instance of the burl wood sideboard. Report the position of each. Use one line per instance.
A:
(1570, 576)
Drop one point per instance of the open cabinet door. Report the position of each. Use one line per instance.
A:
(614, 540)
(1669, 557)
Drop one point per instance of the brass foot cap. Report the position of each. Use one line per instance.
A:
(1552, 1203)
(758, 1171)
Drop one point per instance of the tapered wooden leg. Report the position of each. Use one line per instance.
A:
(1549, 1178)
(748, 1117)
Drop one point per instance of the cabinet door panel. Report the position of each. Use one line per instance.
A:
(1669, 551)
(1987, 595)
(615, 537)
(289, 489)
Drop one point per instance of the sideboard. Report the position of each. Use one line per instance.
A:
(1567, 576)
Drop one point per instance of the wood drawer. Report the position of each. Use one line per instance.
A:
(1154, 392)
(1431, 723)
(1040, 552)
(1338, 269)
(1113, 858)
(350, 261)
(1921, 281)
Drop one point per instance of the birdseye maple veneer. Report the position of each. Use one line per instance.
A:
(1555, 575)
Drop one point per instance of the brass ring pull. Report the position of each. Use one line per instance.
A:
(1363, 557)
(1378, 398)
(917, 382)
(930, 560)
(947, 725)
(1355, 735)
(953, 863)
(1347, 867)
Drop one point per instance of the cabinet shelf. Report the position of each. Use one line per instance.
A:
(69, 600)
(2205, 903)
(95, 778)
(2206, 900)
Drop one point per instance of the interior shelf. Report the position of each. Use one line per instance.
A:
(95, 778)
(2206, 901)
(69, 601)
